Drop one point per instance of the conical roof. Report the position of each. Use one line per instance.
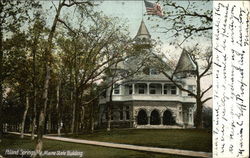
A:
(185, 64)
(143, 31)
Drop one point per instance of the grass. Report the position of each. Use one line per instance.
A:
(14, 142)
(189, 139)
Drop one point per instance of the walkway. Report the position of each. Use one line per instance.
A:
(127, 146)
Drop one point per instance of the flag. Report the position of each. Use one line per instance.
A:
(153, 8)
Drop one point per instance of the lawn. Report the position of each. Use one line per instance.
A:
(14, 142)
(189, 139)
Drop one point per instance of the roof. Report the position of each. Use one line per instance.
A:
(185, 64)
(143, 31)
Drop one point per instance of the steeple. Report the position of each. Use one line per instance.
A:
(142, 32)
(142, 39)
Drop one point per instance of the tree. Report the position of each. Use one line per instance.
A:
(48, 58)
(13, 15)
(37, 33)
(88, 51)
(16, 49)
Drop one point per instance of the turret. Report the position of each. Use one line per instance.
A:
(142, 38)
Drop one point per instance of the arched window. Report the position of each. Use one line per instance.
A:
(168, 118)
(155, 118)
(142, 118)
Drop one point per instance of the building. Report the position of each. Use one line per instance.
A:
(149, 99)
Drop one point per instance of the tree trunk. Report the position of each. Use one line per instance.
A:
(34, 115)
(1, 73)
(41, 124)
(82, 117)
(92, 119)
(59, 121)
(49, 117)
(33, 127)
(74, 127)
(77, 112)
(73, 112)
(109, 117)
(24, 116)
(198, 116)
(109, 106)
(39, 143)
(48, 59)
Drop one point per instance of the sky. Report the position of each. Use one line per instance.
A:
(133, 12)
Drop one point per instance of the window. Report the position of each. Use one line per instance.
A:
(116, 89)
(121, 113)
(153, 71)
(173, 89)
(127, 113)
(130, 89)
(141, 88)
(165, 89)
(191, 88)
(152, 89)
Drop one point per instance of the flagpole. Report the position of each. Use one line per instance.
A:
(142, 9)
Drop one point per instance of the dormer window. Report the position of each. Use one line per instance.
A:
(153, 71)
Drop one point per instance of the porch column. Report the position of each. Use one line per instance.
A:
(177, 91)
(161, 120)
(162, 88)
(148, 88)
(133, 88)
(148, 120)
(135, 121)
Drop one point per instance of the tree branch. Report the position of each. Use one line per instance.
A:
(202, 94)
(67, 26)
(76, 3)
(207, 99)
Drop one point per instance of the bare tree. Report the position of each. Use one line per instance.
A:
(187, 19)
